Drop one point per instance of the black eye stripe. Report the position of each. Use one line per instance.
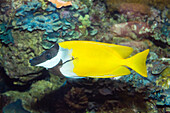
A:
(47, 55)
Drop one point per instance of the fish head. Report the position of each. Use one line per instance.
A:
(48, 58)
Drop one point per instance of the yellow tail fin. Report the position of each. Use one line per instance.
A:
(138, 62)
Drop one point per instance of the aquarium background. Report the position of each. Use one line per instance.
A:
(29, 27)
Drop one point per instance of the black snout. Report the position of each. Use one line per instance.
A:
(32, 62)
(37, 60)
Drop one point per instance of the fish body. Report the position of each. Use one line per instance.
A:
(93, 59)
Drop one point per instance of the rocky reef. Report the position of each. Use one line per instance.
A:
(28, 27)
(13, 57)
(103, 95)
(32, 29)
(114, 4)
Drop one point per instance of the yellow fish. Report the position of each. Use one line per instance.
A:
(92, 59)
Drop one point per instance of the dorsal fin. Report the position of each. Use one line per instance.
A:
(123, 51)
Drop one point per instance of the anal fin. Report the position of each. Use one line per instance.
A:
(120, 71)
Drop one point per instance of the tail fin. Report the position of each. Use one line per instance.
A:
(138, 62)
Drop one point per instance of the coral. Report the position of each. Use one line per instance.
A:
(155, 84)
(133, 10)
(86, 23)
(29, 8)
(6, 14)
(60, 3)
(160, 25)
(39, 22)
(92, 95)
(85, 20)
(161, 97)
(4, 100)
(158, 67)
(76, 99)
(106, 95)
(114, 4)
(134, 30)
(5, 34)
(140, 45)
(162, 32)
(15, 57)
(154, 18)
(44, 4)
(27, 19)
(164, 79)
(36, 92)
(15, 107)
(59, 25)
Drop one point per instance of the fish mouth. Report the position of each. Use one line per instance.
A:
(32, 62)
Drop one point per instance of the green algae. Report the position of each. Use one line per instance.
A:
(36, 92)
(15, 58)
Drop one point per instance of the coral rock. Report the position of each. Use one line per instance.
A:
(131, 29)
(76, 98)
(5, 34)
(15, 107)
(4, 100)
(134, 9)
(15, 58)
(160, 4)
(158, 67)
(141, 45)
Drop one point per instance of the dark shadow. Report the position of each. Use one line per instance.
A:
(158, 43)
(7, 83)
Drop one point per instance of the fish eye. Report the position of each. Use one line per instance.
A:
(48, 56)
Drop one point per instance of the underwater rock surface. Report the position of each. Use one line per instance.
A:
(14, 56)
(15, 107)
(28, 27)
